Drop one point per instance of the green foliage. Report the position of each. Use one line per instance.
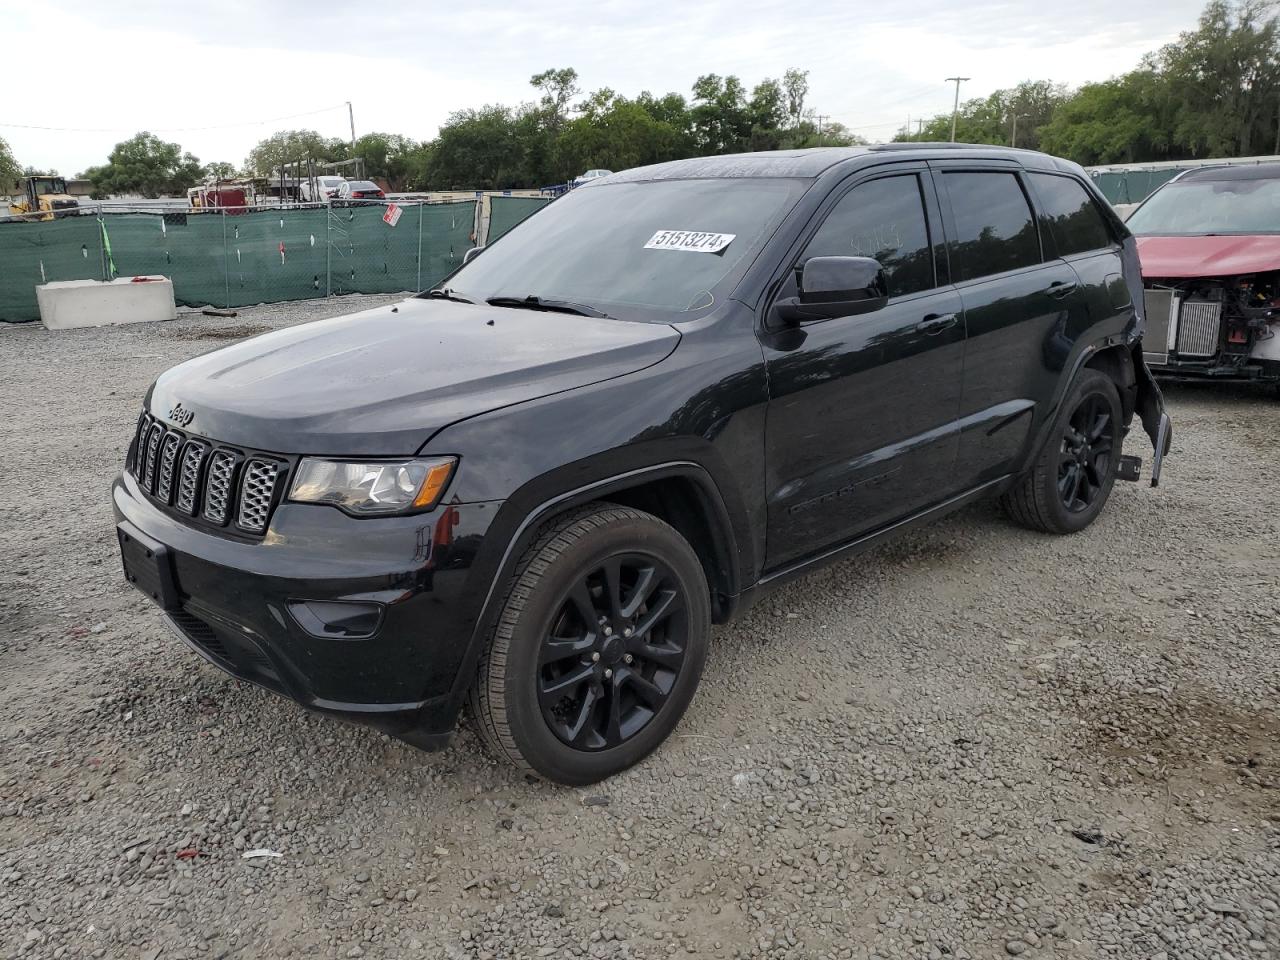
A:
(1214, 92)
(220, 170)
(990, 119)
(145, 165)
(9, 169)
(289, 146)
(389, 157)
(553, 140)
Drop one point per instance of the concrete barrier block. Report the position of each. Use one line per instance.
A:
(67, 304)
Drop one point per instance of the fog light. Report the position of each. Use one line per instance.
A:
(337, 619)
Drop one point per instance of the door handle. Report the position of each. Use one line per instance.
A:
(1061, 288)
(935, 323)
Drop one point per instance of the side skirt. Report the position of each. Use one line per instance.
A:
(869, 540)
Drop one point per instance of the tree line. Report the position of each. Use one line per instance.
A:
(1214, 92)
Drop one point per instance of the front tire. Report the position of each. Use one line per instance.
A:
(1069, 484)
(598, 648)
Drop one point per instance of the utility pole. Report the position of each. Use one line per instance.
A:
(955, 110)
(352, 117)
(821, 117)
(1013, 140)
(919, 127)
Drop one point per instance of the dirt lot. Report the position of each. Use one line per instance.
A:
(976, 742)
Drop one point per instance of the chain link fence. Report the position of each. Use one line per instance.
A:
(241, 256)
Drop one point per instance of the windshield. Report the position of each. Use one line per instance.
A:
(671, 246)
(1210, 206)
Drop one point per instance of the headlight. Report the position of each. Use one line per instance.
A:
(372, 487)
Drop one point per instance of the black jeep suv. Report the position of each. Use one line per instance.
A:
(536, 487)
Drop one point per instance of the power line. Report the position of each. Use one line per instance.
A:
(220, 126)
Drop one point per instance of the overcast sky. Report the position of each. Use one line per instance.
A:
(109, 68)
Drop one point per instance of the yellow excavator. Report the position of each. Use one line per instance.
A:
(43, 195)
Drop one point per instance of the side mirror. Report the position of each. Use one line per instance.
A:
(471, 255)
(835, 287)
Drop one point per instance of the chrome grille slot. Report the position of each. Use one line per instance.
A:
(189, 476)
(1199, 325)
(168, 462)
(218, 485)
(256, 491)
(140, 444)
(153, 450)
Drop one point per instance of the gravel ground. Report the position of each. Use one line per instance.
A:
(976, 742)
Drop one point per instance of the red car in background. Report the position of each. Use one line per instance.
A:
(1209, 242)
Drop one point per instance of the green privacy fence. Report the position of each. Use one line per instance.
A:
(506, 212)
(1132, 186)
(231, 259)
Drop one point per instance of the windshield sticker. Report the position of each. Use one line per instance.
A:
(689, 241)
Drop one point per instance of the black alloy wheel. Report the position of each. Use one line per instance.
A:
(613, 653)
(1068, 484)
(598, 648)
(1087, 446)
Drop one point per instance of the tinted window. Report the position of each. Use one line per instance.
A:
(994, 228)
(1073, 217)
(883, 219)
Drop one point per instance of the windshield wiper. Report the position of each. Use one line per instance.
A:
(444, 293)
(554, 306)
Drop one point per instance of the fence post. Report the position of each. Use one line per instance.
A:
(418, 288)
(328, 249)
(226, 266)
(102, 247)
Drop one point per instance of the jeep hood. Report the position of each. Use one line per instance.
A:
(1193, 257)
(381, 382)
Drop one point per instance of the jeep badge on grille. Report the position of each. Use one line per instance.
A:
(182, 417)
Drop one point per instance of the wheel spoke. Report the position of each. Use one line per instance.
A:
(565, 685)
(613, 721)
(1077, 494)
(646, 691)
(1099, 426)
(664, 656)
(1067, 482)
(585, 606)
(581, 722)
(646, 583)
(613, 585)
(555, 649)
(667, 604)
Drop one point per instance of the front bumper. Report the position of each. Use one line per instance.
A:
(230, 599)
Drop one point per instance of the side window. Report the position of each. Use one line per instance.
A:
(995, 231)
(1073, 217)
(883, 219)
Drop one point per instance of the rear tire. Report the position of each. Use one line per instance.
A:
(598, 648)
(1070, 482)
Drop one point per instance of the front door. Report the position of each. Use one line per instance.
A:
(861, 426)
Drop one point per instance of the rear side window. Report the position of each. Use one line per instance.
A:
(1073, 217)
(995, 231)
(883, 219)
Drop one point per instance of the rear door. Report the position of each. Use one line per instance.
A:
(1076, 231)
(861, 423)
(1015, 309)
